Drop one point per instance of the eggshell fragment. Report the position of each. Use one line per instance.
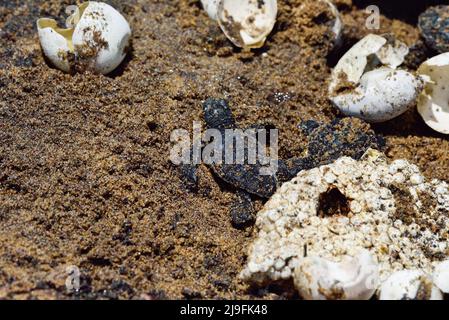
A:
(338, 23)
(56, 43)
(211, 7)
(409, 285)
(97, 41)
(441, 276)
(247, 23)
(352, 279)
(353, 63)
(433, 103)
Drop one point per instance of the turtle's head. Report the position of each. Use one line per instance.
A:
(217, 114)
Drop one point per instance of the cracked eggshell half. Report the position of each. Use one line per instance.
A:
(382, 94)
(211, 7)
(247, 23)
(355, 278)
(409, 285)
(441, 276)
(433, 103)
(98, 39)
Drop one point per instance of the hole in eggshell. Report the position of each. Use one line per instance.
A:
(67, 33)
(333, 202)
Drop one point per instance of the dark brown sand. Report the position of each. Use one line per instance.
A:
(85, 175)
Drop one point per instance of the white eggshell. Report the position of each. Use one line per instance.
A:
(247, 23)
(99, 29)
(433, 104)
(100, 21)
(441, 276)
(383, 94)
(408, 285)
(55, 43)
(338, 24)
(211, 7)
(354, 62)
(393, 53)
(355, 278)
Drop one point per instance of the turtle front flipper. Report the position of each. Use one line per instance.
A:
(248, 178)
(242, 211)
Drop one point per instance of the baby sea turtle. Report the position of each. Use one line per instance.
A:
(326, 143)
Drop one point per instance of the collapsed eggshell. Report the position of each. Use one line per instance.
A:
(433, 103)
(247, 23)
(98, 40)
(409, 285)
(211, 7)
(365, 82)
(339, 209)
(354, 278)
(441, 276)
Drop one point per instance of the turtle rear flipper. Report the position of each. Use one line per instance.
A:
(350, 137)
(248, 178)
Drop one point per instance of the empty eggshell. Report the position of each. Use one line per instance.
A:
(211, 7)
(97, 41)
(247, 23)
(366, 84)
(409, 285)
(355, 278)
(382, 94)
(441, 276)
(433, 103)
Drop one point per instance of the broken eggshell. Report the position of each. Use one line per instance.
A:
(211, 7)
(97, 41)
(433, 103)
(366, 84)
(338, 24)
(355, 278)
(409, 285)
(247, 23)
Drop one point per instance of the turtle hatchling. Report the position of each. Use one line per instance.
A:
(326, 142)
